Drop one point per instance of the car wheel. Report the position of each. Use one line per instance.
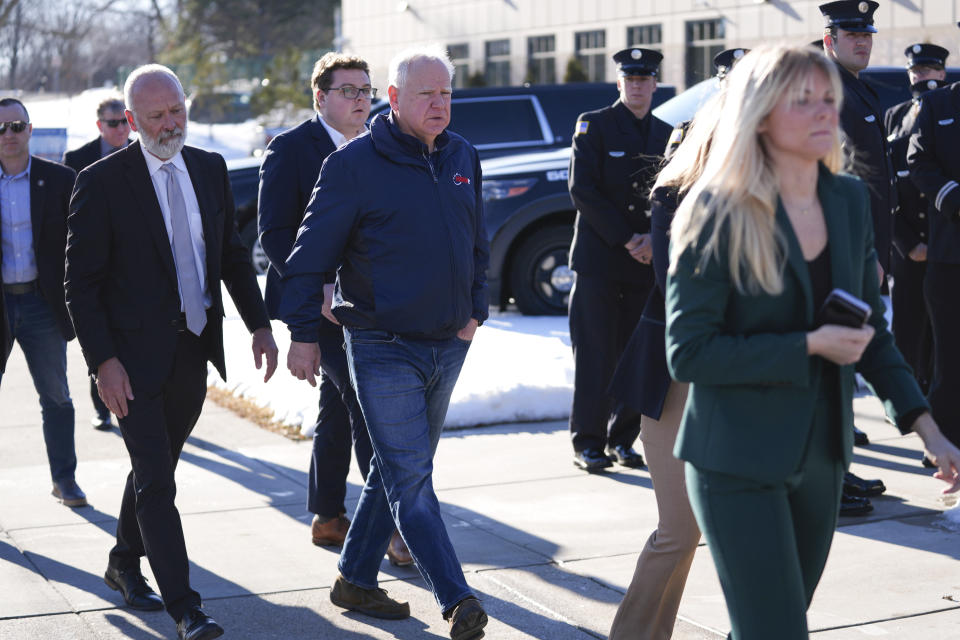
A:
(540, 278)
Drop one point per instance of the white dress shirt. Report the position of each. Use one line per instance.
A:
(159, 179)
(338, 138)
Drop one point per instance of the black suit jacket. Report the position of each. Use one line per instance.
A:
(287, 178)
(614, 161)
(50, 186)
(121, 282)
(82, 157)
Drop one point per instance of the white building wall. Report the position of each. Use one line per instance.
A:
(378, 29)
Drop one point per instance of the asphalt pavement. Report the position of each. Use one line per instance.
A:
(548, 548)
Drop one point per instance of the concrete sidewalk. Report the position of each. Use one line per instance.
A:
(548, 548)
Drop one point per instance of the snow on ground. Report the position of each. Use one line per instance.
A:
(78, 114)
(519, 368)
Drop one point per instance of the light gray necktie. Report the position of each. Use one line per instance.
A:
(187, 274)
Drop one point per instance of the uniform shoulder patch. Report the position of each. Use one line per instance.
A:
(582, 127)
(676, 137)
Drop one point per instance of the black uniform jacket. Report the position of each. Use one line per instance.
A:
(614, 162)
(865, 142)
(121, 281)
(910, 221)
(934, 161)
(50, 186)
(288, 175)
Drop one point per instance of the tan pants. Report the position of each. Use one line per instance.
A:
(649, 608)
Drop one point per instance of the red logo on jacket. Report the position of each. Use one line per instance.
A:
(459, 179)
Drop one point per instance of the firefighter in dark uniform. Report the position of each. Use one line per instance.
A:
(616, 154)
(935, 168)
(911, 325)
(848, 41)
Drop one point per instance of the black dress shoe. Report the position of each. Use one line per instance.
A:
(927, 462)
(854, 506)
(857, 486)
(102, 424)
(69, 493)
(860, 438)
(196, 625)
(625, 456)
(591, 460)
(134, 588)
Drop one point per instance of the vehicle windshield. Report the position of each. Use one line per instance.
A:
(682, 107)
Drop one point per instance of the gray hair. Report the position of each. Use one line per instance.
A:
(145, 71)
(400, 65)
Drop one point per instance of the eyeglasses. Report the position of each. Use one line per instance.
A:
(351, 92)
(17, 126)
(113, 124)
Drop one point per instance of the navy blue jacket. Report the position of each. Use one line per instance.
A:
(287, 177)
(404, 231)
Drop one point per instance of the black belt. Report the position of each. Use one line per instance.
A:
(19, 288)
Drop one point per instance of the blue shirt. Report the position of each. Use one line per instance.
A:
(16, 230)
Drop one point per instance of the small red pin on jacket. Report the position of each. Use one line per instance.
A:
(459, 179)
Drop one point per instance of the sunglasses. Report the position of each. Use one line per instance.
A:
(113, 124)
(17, 126)
(351, 92)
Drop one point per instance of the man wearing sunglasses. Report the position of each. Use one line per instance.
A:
(114, 135)
(34, 202)
(341, 97)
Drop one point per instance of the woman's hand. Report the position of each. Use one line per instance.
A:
(838, 344)
(940, 450)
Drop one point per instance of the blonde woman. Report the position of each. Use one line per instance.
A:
(764, 233)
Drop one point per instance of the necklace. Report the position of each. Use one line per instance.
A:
(806, 209)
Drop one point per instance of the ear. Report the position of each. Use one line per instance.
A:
(392, 94)
(321, 98)
(129, 115)
(619, 82)
(99, 125)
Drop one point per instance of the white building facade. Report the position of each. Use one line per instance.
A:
(509, 42)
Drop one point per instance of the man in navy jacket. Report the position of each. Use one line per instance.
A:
(398, 214)
(342, 95)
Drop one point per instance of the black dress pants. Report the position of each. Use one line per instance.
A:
(339, 423)
(911, 324)
(603, 314)
(155, 429)
(943, 305)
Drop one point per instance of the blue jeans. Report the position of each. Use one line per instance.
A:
(404, 389)
(33, 326)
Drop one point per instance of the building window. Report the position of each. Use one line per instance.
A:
(497, 70)
(541, 64)
(460, 57)
(704, 41)
(591, 48)
(648, 36)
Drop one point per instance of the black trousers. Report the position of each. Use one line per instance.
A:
(102, 412)
(911, 324)
(943, 305)
(603, 314)
(155, 429)
(339, 423)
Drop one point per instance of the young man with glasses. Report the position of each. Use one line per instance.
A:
(342, 95)
(114, 135)
(34, 202)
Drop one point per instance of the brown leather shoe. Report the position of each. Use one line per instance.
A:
(397, 551)
(331, 533)
(371, 602)
(467, 620)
